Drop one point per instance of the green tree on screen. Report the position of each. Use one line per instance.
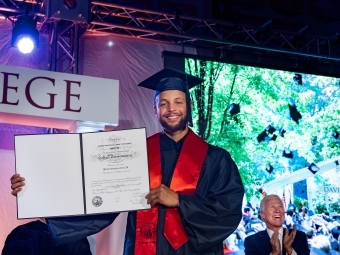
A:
(263, 95)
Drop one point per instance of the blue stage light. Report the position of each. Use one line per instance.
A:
(25, 35)
(25, 45)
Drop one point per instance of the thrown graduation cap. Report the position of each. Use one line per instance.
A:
(294, 113)
(270, 129)
(287, 153)
(269, 168)
(234, 109)
(263, 137)
(282, 132)
(170, 79)
(297, 79)
(313, 168)
(273, 138)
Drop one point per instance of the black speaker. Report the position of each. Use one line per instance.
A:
(73, 10)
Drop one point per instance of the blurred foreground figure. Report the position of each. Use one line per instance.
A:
(33, 238)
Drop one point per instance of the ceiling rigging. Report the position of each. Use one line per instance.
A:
(266, 33)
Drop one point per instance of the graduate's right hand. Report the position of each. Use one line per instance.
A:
(162, 195)
(17, 182)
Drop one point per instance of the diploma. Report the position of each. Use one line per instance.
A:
(79, 174)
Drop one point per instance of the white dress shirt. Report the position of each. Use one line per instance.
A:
(270, 233)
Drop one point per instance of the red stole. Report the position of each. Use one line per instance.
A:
(184, 181)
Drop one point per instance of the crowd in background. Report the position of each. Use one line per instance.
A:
(322, 230)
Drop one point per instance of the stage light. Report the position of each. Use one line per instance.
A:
(313, 168)
(234, 109)
(25, 35)
(269, 168)
(287, 153)
(297, 79)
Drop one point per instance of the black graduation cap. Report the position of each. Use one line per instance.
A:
(263, 136)
(282, 132)
(298, 78)
(170, 79)
(270, 129)
(273, 138)
(269, 168)
(153, 82)
(313, 168)
(294, 113)
(335, 134)
(234, 109)
(287, 153)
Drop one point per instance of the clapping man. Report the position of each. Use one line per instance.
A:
(275, 240)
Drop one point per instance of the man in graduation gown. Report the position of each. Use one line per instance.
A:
(196, 190)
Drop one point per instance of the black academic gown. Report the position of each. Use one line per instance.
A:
(208, 216)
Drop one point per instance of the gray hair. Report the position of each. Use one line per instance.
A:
(264, 200)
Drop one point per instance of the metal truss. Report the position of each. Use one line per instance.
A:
(216, 34)
(64, 46)
(174, 28)
(63, 35)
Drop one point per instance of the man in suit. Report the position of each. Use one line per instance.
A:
(275, 240)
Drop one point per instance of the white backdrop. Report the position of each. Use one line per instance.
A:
(128, 60)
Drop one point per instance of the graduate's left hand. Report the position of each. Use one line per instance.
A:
(163, 195)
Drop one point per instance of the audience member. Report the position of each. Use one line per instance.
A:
(275, 240)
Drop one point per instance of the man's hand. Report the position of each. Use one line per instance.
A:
(275, 243)
(288, 240)
(163, 195)
(17, 183)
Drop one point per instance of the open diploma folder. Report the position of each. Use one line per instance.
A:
(78, 174)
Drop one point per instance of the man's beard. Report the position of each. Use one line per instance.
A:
(181, 125)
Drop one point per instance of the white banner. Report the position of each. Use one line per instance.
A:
(58, 95)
